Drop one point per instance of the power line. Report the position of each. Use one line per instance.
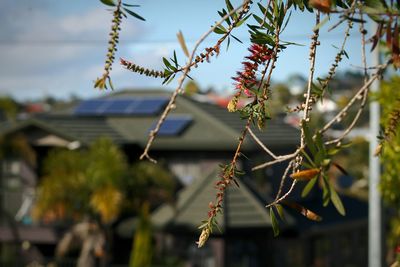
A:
(159, 41)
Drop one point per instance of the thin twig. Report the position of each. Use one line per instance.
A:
(261, 144)
(313, 52)
(354, 121)
(365, 87)
(364, 95)
(284, 196)
(278, 159)
(283, 180)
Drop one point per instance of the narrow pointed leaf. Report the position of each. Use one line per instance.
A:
(133, 14)
(167, 64)
(279, 209)
(337, 202)
(274, 222)
(181, 40)
(309, 187)
(242, 21)
(230, 8)
(130, 5)
(108, 2)
(308, 138)
(237, 39)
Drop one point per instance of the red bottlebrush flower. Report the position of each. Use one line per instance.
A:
(398, 249)
(247, 92)
(246, 79)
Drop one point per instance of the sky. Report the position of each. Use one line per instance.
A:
(57, 48)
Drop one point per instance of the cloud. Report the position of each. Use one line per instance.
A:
(43, 50)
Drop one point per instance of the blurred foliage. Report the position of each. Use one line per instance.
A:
(191, 88)
(148, 182)
(8, 108)
(388, 97)
(17, 146)
(78, 183)
(98, 183)
(142, 250)
(355, 159)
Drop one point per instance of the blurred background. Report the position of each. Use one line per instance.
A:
(73, 191)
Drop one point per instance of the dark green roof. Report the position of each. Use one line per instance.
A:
(212, 128)
(275, 133)
(243, 207)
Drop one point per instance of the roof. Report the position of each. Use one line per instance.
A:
(212, 127)
(243, 208)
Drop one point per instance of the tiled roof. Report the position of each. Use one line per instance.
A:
(242, 207)
(213, 127)
(275, 133)
(83, 129)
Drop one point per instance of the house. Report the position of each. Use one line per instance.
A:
(194, 139)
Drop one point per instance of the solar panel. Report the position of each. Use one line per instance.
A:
(119, 106)
(148, 106)
(123, 106)
(173, 125)
(90, 107)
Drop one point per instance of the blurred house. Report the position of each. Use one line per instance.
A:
(194, 139)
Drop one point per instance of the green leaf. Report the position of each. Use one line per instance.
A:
(263, 23)
(240, 22)
(175, 60)
(336, 201)
(291, 43)
(309, 186)
(204, 224)
(129, 5)
(262, 9)
(281, 15)
(228, 43)
(262, 38)
(223, 14)
(108, 2)
(167, 64)
(319, 142)
(217, 226)
(230, 8)
(274, 222)
(308, 138)
(345, 54)
(377, 5)
(110, 83)
(309, 159)
(219, 30)
(275, 8)
(237, 39)
(325, 191)
(287, 21)
(279, 209)
(133, 14)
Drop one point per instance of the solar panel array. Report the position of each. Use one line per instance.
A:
(125, 106)
(173, 125)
